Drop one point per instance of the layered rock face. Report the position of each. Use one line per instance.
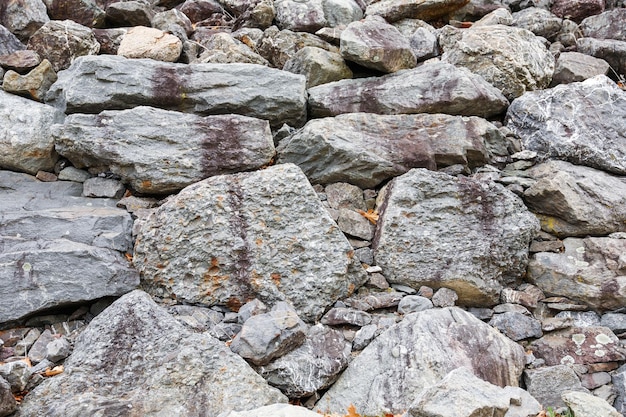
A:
(255, 208)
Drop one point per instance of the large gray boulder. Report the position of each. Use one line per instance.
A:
(410, 91)
(574, 200)
(96, 83)
(263, 234)
(547, 383)
(23, 17)
(582, 123)
(586, 404)
(365, 149)
(25, 141)
(607, 25)
(159, 151)
(459, 233)
(512, 59)
(612, 51)
(416, 354)
(393, 10)
(134, 359)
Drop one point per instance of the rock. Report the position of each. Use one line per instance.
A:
(17, 374)
(364, 336)
(313, 366)
(588, 271)
(20, 61)
(445, 297)
(513, 60)
(516, 326)
(86, 12)
(612, 51)
(103, 187)
(300, 16)
(574, 66)
(144, 42)
(278, 46)
(282, 251)
(619, 383)
(34, 85)
(341, 315)
(595, 380)
(409, 91)
(58, 349)
(539, 21)
(566, 207)
(340, 13)
(424, 44)
(190, 147)
(576, 10)
(374, 300)
(9, 43)
(39, 350)
(130, 13)
(25, 138)
(416, 353)
(198, 10)
(588, 405)
(354, 224)
(99, 83)
(607, 25)
(62, 42)
(614, 321)
(366, 149)
(7, 402)
(528, 295)
(547, 384)
(135, 355)
(374, 43)
(275, 410)
(74, 174)
(109, 39)
(318, 66)
(393, 10)
(173, 21)
(344, 195)
(266, 336)
(23, 17)
(414, 303)
(584, 128)
(522, 404)
(222, 48)
(500, 16)
(434, 231)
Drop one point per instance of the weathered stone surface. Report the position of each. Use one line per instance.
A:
(573, 200)
(614, 321)
(173, 21)
(594, 380)
(300, 16)
(574, 66)
(576, 10)
(415, 354)
(222, 48)
(582, 123)
(283, 252)
(548, 383)
(434, 231)
(500, 16)
(130, 13)
(374, 300)
(275, 410)
(513, 60)
(135, 356)
(393, 10)
(414, 303)
(198, 10)
(619, 383)
(103, 187)
(7, 401)
(607, 25)
(25, 141)
(109, 39)
(17, 374)
(318, 66)
(445, 297)
(20, 61)
(190, 147)
(9, 43)
(374, 43)
(35, 84)
(278, 46)
(590, 270)
(313, 366)
(539, 21)
(410, 91)
(353, 223)
(424, 44)
(612, 51)
(588, 405)
(144, 42)
(339, 13)
(516, 326)
(341, 315)
(99, 83)
(528, 295)
(23, 17)
(85, 12)
(366, 149)
(62, 42)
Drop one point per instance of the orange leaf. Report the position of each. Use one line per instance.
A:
(370, 215)
(54, 371)
(352, 411)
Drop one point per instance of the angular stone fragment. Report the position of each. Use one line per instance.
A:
(414, 303)
(582, 123)
(415, 354)
(516, 326)
(109, 39)
(278, 46)
(160, 151)
(614, 321)
(410, 91)
(23, 17)
(35, 84)
(20, 61)
(86, 12)
(612, 51)
(7, 402)
(144, 42)
(607, 25)
(245, 238)
(539, 21)
(548, 383)
(130, 13)
(584, 404)
(300, 16)
(8, 42)
(341, 315)
(393, 10)
(576, 10)
(574, 66)
(135, 356)
(318, 66)
(103, 187)
(459, 233)
(375, 300)
(99, 83)
(222, 48)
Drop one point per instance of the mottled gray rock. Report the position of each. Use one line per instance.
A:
(73, 174)
(590, 271)
(251, 308)
(619, 383)
(588, 405)
(103, 187)
(34, 85)
(300, 16)
(39, 350)
(513, 60)
(444, 297)
(614, 321)
(97, 83)
(136, 356)
(58, 349)
(9, 43)
(17, 374)
(145, 42)
(548, 383)
(576, 10)
(539, 21)
(86, 12)
(25, 141)
(393, 10)
(160, 151)
(7, 402)
(522, 404)
(341, 12)
(278, 46)
(581, 318)
(354, 224)
(435, 231)
(423, 44)
(582, 123)
(222, 48)
(612, 51)
(573, 200)
(23, 17)
(366, 149)
(342, 315)
(607, 25)
(528, 295)
(318, 66)
(594, 380)
(343, 195)
(364, 336)
(247, 239)
(410, 91)
(574, 66)
(20, 61)
(313, 366)
(274, 410)
(173, 21)
(415, 354)
(414, 303)
(374, 300)
(500, 16)
(62, 42)
(516, 326)
(130, 13)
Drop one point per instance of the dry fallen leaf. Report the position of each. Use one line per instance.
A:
(352, 411)
(52, 372)
(370, 215)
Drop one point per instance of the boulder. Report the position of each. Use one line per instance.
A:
(612, 51)
(546, 384)
(97, 83)
(245, 238)
(424, 44)
(342, 315)
(619, 384)
(199, 10)
(161, 151)
(416, 354)
(410, 91)
(582, 123)
(576, 10)
(367, 149)
(340, 13)
(539, 21)
(393, 10)
(278, 46)
(589, 270)
(300, 16)
(318, 66)
(20, 61)
(173, 21)
(222, 48)
(34, 85)
(23, 17)
(607, 25)
(135, 356)
(499, 16)
(144, 42)
(109, 39)
(9, 43)
(516, 326)
(512, 59)
(7, 402)
(574, 66)
(588, 405)
(85, 12)
(574, 200)
(129, 13)
(460, 233)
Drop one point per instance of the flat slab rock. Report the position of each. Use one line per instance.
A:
(134, 359)
(365, 149)
(416, 354)
(582, 123)
(96, 83)
(442, 231)
(459, 92)
(159, 151)
(393, 10)
(263, 234)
